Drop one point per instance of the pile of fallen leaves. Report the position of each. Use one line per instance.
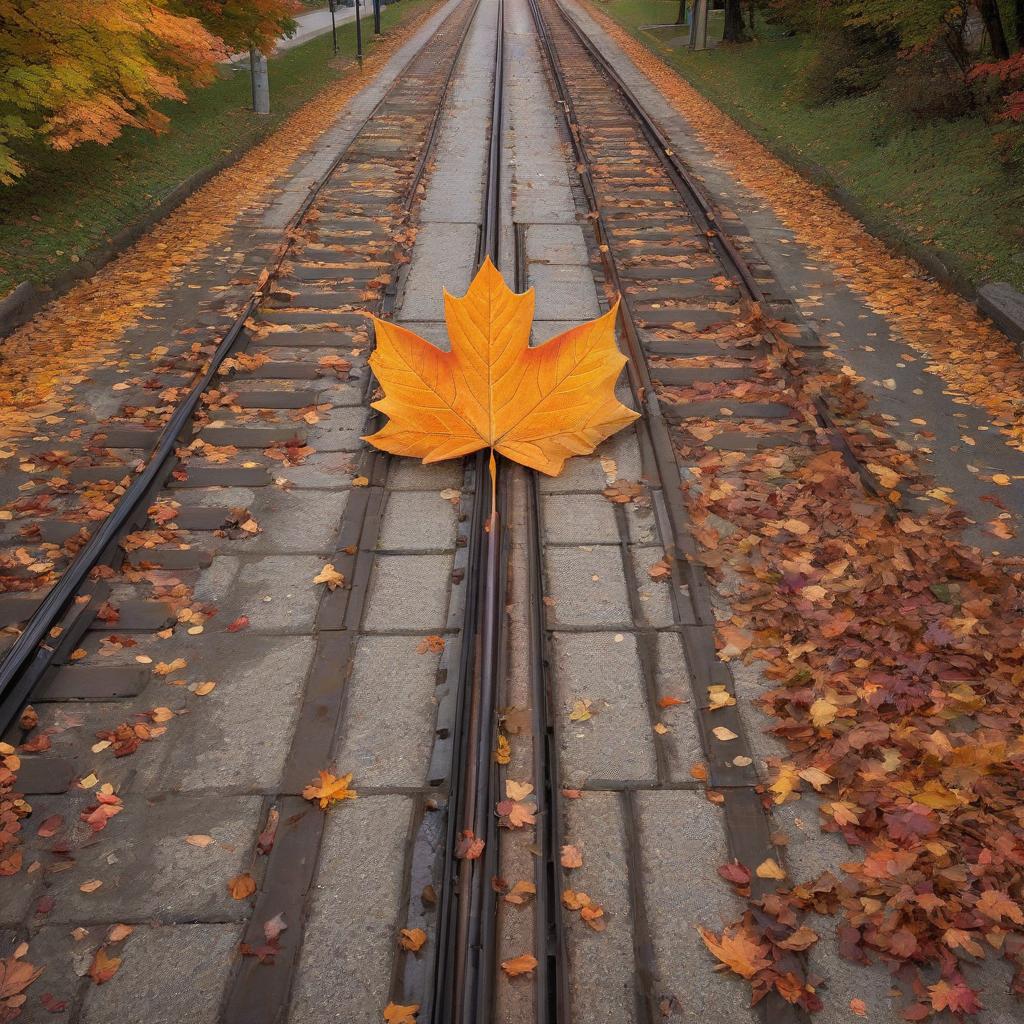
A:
(897, 657)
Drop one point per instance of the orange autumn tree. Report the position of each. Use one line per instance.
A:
(243, 24)
(81, 72)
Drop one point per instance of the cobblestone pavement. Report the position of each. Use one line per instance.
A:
(316, 679)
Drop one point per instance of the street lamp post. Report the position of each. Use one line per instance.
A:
(376, 17)
(333, 5)
(359, 35)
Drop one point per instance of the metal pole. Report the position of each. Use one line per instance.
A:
(376, 17)
(334, 28)
(260, 82)
(359, 35)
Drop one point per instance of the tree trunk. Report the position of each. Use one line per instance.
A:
(1018, 22)
(734, 30)
(750, 15)
(681, 16)
(989, 11)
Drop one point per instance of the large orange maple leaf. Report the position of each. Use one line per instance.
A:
(536, 406)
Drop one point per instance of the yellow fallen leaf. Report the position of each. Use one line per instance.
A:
(397, 1014)
(329, 789)
(536, 406)
(1001, 478)
(330, 576)
(503, 751)
(519, 965)
(517, 790)
(242, 886)
(768, 868)
(204, 688)
(412, 939)
(199, 840)
(823, 712)
(91, 886)
(723, 734)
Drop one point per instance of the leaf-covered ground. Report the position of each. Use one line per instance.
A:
(894, 650)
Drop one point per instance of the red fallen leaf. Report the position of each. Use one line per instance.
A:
(735, 873)
(52, 1004)
(670, 702)
(469, 847)
(50, 826)
(242, 622)
(103, 967)
(265, 954)
(11, 865)
(45, 905)
(265, 843)
(37, 745)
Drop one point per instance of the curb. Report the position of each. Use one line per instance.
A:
(27, 299)
(996, 301)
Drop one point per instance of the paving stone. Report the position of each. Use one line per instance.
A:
(389, 713)
(410, 475)
(564, 292)
(682, 844)
(418, 521)
(616, 743)
(240, 587)
(602, 975)
(345, 966)
(297, 520)
(408, 592)
(655, 595)
(579, 598)
(239, 735)
(556, 244)
(156, 963)
(339, 429)
(320, 471)
(579, 519)
(147, 868)
(682, 743)
(439, 262)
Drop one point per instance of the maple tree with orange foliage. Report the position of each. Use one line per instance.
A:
(78, 73)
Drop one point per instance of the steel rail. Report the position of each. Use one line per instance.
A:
(462, 990)
(29, 657)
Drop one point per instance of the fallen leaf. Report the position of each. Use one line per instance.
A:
(199, 840)
(517, 790)
(768, 868)
(330, 576)
(520, 893)
(723, 734)
(524, 964)
(536, 406)
(571, 857)
(91, 886)
(412, 939)
(394, 1013)
(242, 886)
(103, 967)
(329, 789)
(430, 645)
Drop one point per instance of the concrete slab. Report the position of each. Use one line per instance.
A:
(390, 707)
(408, 592)
(602, 978)
(276, 592)
(350, 938)
(417, 521)
(442, 258)
(155, 962)
(236, 737)
(296, 521)
(579, 519)
(149, 870)
(556, 244)
(410, 475)
(588, 587)
(564, 292)
(616, 743)
(682, 844)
